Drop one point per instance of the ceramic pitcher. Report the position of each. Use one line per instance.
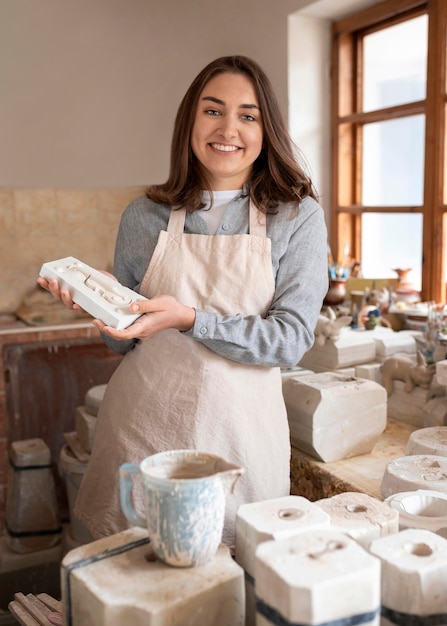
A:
(184, 492)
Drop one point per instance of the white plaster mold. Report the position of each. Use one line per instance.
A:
(273, 519)
(351, 348)
(74, 470)
(266, 521)
(370, 371)
(394, 343)
(441, 372)
(332, 417)
(317, 577)
(414, 576)
(421, 508)
(360, 516)
(420, 471)
(98, 294)
(118, 580)
(430, 440)
(32, 516)
(93, 398)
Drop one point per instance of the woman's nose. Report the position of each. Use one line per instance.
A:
(228, 127)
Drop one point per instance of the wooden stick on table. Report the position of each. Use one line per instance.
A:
(35, 611)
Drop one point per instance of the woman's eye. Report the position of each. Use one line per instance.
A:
(249, 118)
(211, 112)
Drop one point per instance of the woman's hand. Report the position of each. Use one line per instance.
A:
(63, 295)
(159, 313)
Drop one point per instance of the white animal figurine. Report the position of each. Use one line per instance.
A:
(403, 368)
(329, 326)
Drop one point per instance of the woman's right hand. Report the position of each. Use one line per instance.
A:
(63, 295)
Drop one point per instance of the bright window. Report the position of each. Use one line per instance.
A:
(389, 148)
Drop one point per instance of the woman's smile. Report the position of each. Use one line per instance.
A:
(224, 148)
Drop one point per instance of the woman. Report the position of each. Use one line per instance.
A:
(231, 252)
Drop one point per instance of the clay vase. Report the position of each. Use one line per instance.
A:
(405, 290)
(336, 293)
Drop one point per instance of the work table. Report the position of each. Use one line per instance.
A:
(315, 479)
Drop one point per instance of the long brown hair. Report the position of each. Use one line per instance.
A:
(276, 176)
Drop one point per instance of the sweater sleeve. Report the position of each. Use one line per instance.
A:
(301, 282)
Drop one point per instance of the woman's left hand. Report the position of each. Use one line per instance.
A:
(159, 313)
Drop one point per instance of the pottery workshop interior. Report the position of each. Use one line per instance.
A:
(186, 437)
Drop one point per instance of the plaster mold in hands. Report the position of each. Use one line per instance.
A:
(99, 295)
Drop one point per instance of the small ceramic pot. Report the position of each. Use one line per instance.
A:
(336, 293)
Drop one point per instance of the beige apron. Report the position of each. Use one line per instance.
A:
(171, 392)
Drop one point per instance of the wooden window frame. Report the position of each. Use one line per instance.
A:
(347, 120)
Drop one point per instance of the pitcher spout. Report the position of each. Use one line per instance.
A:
(230, 476)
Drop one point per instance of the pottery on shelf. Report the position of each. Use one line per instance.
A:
(336, 293)
(405, 291)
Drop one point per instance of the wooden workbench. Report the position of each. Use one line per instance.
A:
(315, 479)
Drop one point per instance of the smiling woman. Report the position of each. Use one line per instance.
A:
(227, 133)
(231, 254)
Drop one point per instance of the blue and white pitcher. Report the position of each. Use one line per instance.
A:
(184, 492)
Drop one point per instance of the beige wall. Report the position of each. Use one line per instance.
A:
(89, 88)
(89, 91)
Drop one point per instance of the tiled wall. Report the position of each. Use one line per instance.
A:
(38, 225)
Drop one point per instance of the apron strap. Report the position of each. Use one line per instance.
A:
(257, 221)
(176, 224)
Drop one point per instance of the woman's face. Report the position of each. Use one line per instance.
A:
(227, 132)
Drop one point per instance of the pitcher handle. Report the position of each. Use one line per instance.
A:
(126, 471)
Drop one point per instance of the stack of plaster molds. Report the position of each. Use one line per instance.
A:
(74, 458)
(351, 348)
(269, 520)
(390, 343)
(290, 372)
(32, 521)
(419, 407)
(333, 417)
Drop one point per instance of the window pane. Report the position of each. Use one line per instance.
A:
(395, 64)
(393, 162)
(384, 248)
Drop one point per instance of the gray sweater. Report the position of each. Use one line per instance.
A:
(299, 259)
